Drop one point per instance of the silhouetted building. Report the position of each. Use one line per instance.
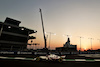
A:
(97, 50)
(67, 47)
(13, 36)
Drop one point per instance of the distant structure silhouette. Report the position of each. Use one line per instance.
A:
(67, 47)
(45, 40)
(13, 36)
(67, 44)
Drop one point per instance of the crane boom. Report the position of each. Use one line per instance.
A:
(43, 29)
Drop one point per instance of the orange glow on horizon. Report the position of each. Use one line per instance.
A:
(59, 43)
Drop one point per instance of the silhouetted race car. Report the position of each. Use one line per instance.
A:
(51, 57)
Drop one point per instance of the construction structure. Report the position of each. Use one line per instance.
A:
(13, 36)
(45, 40)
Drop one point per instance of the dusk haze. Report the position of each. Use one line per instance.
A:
(75, 18)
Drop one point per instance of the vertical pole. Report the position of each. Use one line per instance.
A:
(80, 43)
(49, 40)
(43, 29)
(91, 43)
(99, 40)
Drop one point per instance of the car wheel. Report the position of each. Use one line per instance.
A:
(60, 60)
(37, 59)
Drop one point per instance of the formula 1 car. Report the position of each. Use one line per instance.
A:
(51, 57)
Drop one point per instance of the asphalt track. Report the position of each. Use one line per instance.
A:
(28, 63)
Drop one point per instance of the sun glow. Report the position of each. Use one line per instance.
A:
(84, 48)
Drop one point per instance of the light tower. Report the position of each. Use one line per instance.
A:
(80, 41)
(50, 37)
(91, 42)
(99, 40)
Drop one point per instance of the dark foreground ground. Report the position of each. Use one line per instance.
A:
(25, 63)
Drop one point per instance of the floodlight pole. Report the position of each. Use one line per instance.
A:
(91, 42)
(99, 40)
(50, 38)
(80, 42)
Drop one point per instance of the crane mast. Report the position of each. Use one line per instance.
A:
(43, 30)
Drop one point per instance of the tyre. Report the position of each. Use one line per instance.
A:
(60, 60)
(37, 59)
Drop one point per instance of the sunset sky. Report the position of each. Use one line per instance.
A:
(63, 17)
